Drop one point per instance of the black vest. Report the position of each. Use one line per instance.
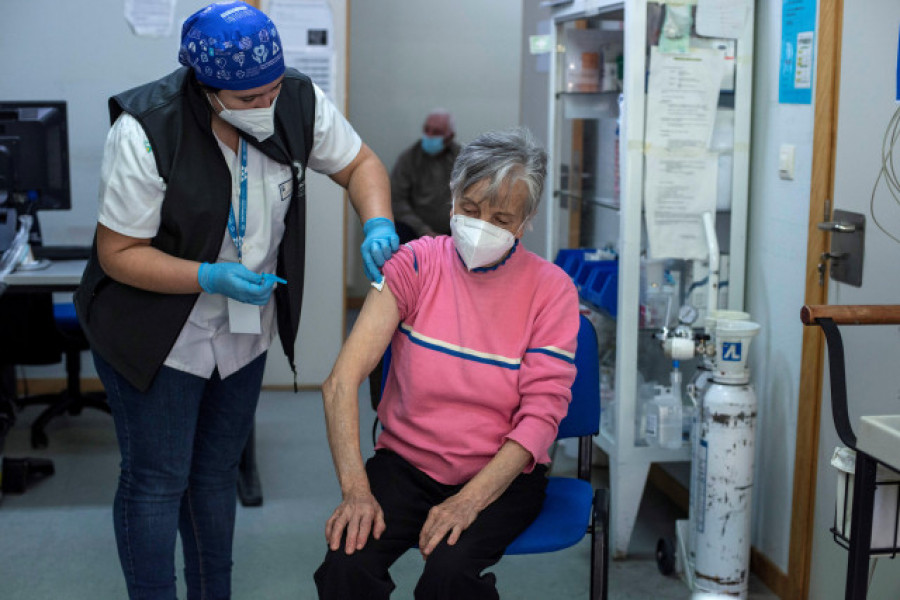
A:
(133, 329)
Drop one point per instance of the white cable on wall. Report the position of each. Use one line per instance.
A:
(888, 171)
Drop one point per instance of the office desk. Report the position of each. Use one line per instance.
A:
(64, 276)
(60, 276)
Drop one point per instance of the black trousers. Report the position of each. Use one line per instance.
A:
(451, 572)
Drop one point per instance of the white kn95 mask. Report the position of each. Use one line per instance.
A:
(258, 122)
(478, 242)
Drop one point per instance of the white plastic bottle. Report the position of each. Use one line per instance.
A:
(651, 412)
(663, 414)
(670, 422)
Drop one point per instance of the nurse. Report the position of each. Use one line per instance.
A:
(197, 261)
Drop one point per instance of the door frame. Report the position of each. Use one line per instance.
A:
(828, 57)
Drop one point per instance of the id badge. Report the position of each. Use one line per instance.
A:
(244, 318)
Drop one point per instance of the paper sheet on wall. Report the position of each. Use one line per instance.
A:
(307, 33)
(677, 191)
(682, 96)
(150, 18)
(722, 18)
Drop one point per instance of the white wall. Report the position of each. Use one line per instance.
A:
(85, 52)
(779, 212)
(535, 102)
(409, 56)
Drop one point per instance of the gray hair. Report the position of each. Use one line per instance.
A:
(502, 157)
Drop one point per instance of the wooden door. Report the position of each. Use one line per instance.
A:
(855, 101)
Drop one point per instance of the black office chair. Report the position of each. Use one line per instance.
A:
(72, 399)
(29, 337)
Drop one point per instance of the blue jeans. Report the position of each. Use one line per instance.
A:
(180, 442)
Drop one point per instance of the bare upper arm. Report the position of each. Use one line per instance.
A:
(370, 336)
(342, 177)
(110, 244)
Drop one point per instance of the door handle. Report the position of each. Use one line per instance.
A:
(837, 226)
(845, 256)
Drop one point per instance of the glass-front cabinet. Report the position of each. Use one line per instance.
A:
(650, 130)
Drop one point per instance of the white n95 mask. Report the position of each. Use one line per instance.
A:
(258, 122)
(478, 242)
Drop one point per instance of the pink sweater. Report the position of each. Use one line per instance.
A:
(479, 358)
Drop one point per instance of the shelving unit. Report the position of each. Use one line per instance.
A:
(585, 209)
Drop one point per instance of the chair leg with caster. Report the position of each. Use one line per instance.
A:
(600, 546)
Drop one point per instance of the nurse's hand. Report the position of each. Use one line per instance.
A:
(236, 281)
(380, 243)
(359, 514)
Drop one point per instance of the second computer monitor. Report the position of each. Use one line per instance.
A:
(34, 156)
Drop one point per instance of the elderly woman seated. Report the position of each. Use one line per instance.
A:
(483, 336)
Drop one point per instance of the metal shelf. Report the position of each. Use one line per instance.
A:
(612, 94)
(602, 202)
(580, 204)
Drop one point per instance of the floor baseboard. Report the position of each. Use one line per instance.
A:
(34, 387)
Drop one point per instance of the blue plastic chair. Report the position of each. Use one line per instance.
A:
(572, 508)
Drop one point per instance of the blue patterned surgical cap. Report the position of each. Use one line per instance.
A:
(231, 46)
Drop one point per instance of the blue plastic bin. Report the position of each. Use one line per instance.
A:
(570, 259)
(601, 287)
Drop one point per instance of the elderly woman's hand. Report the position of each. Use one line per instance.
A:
(360, 514)
(453, 516)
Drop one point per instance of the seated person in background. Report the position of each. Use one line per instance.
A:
(420, 181)
(480, 377)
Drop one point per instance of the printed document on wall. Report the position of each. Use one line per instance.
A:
(722, 18)
(678, 189)
(682, 96)
(307, 32)
(150, 18)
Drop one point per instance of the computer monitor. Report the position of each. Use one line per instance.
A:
(34, 156)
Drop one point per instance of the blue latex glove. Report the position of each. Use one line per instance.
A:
(380, 243)
(237, 281)
(270, 278)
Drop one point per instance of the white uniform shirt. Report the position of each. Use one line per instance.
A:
(131, 197)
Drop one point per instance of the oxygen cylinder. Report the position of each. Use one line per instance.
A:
(724, 467)
(696, 389)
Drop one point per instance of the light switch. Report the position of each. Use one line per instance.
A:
(786, 161)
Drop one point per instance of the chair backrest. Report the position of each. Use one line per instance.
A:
(385, 368)
(583, 417)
